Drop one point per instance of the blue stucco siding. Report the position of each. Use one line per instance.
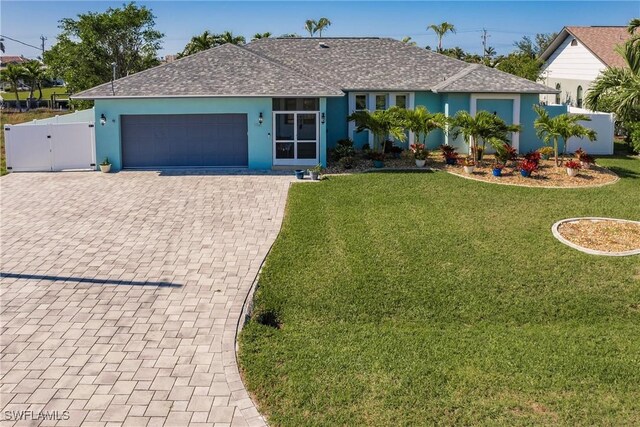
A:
(454, 102)
(503, 108)
(432, 102)
(528, 139)
(260, 150)
(336, 124)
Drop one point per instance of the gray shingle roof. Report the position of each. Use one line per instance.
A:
(312, 67)
(386, 64)
(226, 70)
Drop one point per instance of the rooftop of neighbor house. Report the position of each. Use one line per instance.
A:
(600, 40)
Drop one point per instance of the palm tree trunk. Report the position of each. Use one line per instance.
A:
(555, 151)
(40, 91)
(15, 88)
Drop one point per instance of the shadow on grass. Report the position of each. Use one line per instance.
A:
(89, 280)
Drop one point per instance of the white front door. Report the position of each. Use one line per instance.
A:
(296, 138)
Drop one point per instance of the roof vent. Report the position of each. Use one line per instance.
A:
(323, 45)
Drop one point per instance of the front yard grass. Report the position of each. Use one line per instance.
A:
(425, 298)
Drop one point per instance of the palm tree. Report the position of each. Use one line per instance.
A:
(322, 24)
(204, 41)
(421, 122)
(311, 26)
(560, 128)
(617, 90)
(407, 40)
(634, 24)
(440, 31)
(34, 72)
(483, 127)
(12, 75)
(228, 37)
(382, 124)
(258, 36)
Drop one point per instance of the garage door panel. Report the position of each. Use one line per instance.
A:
(184, 140)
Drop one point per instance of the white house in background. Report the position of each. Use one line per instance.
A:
(576, 57)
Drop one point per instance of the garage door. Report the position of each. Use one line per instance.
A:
(184, 140)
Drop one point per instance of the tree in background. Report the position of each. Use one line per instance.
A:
(13, 74)
(441, 30)
(617, 90)
(88, 45)
(229, 37)
(534, 48)
(311, 26)
(34, 73)
(323, 24)
(258, 36)
(407, 40)
(520, 64)
(198, 43)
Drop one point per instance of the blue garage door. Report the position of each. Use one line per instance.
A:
(184, 140)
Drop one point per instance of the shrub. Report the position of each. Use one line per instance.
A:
(345, 142)
(343, 151)
(528, 165)
(546, 151)
(506, 152)
(448, 152)
(419, 151)
(347, 162)
(533, 156)
(572, 164)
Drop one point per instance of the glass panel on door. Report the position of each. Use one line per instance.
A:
(296, 138)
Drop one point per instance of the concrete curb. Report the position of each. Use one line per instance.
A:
(557, 235)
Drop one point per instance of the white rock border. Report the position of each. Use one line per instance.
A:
(557, 235)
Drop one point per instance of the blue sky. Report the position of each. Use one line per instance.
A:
(506, 21)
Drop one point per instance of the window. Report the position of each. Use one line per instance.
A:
(558, 94)
(401, 101)
(361, 102)
(296, 104)
(381, 102)
(579, 97)
(574, 42)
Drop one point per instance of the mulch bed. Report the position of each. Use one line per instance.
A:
(606, 235)
(548, 174)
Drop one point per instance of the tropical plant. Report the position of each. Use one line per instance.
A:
(198, 43)
(441, 30)
(34, 73)
(347, 162)
(311, 26)
(258, 36)
(229, 37)
(407, 40)
(13, 74)
(419, 151)
(505, 152)
(323, 24)
(382, 124)
(482, 128)
(560, 129)
(572, 164)
(528, 166)
(421, 122)
(634, 24)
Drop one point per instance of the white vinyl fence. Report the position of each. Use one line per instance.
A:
(602, 123)
(51, 145)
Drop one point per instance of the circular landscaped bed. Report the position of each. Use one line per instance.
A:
(600, 236)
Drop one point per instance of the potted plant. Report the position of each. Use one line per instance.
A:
(468, 165)
(572, 167)
(585, 159)
(105, 166)
(378, 159)
(546, 152)
(527, 166)
(420, 154)
(449, 154)
(505, 152)
(315, 172)
(496, 169)
(299, 174)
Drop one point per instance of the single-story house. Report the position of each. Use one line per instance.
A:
(283, 102)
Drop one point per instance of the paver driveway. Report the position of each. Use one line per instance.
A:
(121, 294)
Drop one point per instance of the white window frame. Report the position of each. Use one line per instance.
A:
(371, 106)
(295, 161)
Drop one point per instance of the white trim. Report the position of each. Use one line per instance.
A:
(295, 161)
(557, 235)
(515, 97)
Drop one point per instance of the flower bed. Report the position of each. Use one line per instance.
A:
(600, 236)
(547, 175)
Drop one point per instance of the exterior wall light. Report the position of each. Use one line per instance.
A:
(260, 118)
(103, 119)
(322, 118)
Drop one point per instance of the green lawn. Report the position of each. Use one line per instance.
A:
(15, 118)
(46, 93)
(425, 298)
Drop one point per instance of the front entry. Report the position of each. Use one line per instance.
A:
(296, 138)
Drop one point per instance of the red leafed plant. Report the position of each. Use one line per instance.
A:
(572, 164)
(533, 156)
(448, 152)
(528, 165)
(579, 153)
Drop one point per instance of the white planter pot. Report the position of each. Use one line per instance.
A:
(469, 169)
(314, 175)
(572, 172)
(105, 168)
(420, 163)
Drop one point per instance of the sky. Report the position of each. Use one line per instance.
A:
(505, 21)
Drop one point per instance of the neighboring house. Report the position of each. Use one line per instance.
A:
(283, 102)
(574, 59)
(11, 59)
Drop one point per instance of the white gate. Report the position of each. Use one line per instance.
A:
(50, 147)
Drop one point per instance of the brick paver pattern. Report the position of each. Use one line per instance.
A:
(121, 294)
